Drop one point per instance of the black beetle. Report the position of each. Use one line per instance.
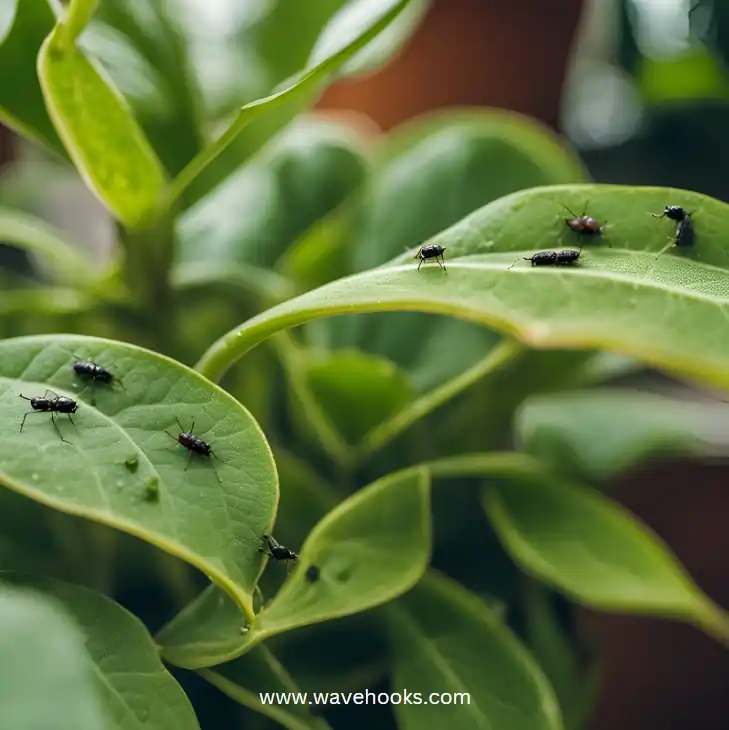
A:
(194, 444)
(58, 404)
(89, 370)
(276, 551)
(431, 251)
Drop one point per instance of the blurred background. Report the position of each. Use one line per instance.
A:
(639, 87)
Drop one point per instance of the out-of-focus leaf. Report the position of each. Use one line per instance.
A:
(598, 435)
(256, 214)
(448, 642)
(46, 678)
(26, 24)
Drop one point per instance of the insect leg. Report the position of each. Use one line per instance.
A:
(421, 263)
(71, 419)
(29, 413)
(55, 425)
(189, 459)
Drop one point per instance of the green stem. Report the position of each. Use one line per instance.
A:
(501, 355)
(713, 621)
(71, 26)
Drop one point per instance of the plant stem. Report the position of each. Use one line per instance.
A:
(501, 355)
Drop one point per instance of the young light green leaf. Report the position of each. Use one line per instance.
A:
(369, 549)
(22, 107)
(137, 692)
(46, 679)
(76, 18)
(277, 109)
(209, 512)
(597, 553)
(37, 237)
(259, 673)
(100, 133)
(448, 642)
(628, 301)
(597, 435)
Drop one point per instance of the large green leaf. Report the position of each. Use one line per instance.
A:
(450, 646)
(370, 549)
(46, 679)
(591, 549)
(23, 26)
(600, 434)
(305, 173)
(259, 673)
(354, 27)
(121, 469)
(669, 310)
(99, 132)
(138, 693)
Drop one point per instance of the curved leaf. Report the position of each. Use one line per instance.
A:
(46, 679)
(591, 549)
(21, 100)
(137, 691)
(36, 236)
(259, 672)
(210, 515)
(277, 109)
(448, 641)
(600, 434)
(100, 133)
(299, 178)
(369, 549)
(668, 311)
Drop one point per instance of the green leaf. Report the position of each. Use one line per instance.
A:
(46, 680)
(259, 672)
(595, 552)
(137, 691)
(448, 641)
(100, 133)
(356, 391)
(210, 515)
(144, 48)
(598, 435)
(370, 549)
(27, 23)
(31, 234)
(355, 29)
(291, 184)
(667, 311)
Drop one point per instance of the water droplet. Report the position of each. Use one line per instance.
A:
(132, 463)
(119, 484)
(35, 476)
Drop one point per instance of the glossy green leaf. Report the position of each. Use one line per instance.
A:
(259, 672)
(46, 679)
(262, 118)
(600, 434)
(100, 133)
(23, 26)
(597, 553)
(295, 181)
(448, 642)
(370, 549)
(137, 691)
(210, 515)
(357, 391)
(668, 311)
(37, 237)
(145, 48)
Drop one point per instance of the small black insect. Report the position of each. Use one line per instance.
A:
(431, 251)
(194, 444)
(58, 404)
(312, 573)
(89, 370)
(583, 224)
(276, 551)
(553, 258)
(674, 212)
